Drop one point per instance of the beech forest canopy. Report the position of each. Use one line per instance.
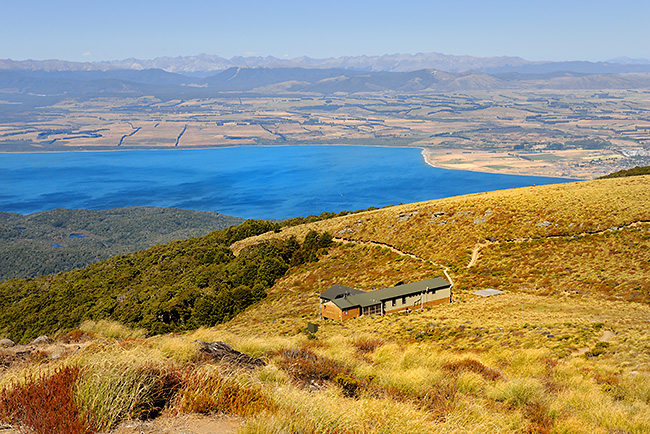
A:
(173, 287)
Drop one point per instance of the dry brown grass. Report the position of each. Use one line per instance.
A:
(554, 216)
(613, 264)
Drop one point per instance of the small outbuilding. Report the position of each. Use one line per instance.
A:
(342, 303)
(488, 292)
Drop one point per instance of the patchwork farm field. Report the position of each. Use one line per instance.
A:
(578, 133)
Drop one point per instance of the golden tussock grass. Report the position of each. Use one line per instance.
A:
(111, 329)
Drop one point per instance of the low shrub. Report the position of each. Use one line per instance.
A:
(438, 400)
(366, 346)
(349, 384)
(45, 403)
(76, 335)
(599, 349)
(306, 367)
(539, 420)
(471, 365)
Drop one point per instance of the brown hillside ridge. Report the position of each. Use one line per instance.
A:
(557, 221)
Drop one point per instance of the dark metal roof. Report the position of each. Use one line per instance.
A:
(411, 288)
(363, 299)
(371, 298)
(338, 291)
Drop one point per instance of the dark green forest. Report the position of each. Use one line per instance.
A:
(64, 239)
(635, 171)
(174, 287)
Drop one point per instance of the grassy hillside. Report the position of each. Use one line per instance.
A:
(586, 237)
(566, 349)
(64, 239)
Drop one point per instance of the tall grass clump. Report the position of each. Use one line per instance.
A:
(328, 412)
(110, 391)
(112, 329)
(518, 392)
(44, 403)
(209, 389)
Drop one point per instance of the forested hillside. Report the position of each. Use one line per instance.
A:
(64, 239)
(635, 171)
(178, 286)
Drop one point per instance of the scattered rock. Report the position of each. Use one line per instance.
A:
(6, 343)
(435, 215)
(406, 216)
(11, 358)
(442, 222)
(41, 340)
(224, 353)
(478, 221)
(488, 212)
(544, 223)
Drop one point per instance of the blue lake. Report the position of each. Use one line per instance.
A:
(249, 182)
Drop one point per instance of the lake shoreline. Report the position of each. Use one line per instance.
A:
(251, 182)
(522, 168)
(428, 155)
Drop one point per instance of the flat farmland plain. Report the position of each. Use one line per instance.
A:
(578, 133)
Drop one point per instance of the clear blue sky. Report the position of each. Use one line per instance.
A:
(91, 30)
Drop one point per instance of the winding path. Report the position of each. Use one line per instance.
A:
(395, 250)
(478, 246)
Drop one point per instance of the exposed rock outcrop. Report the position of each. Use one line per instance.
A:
(224, 353)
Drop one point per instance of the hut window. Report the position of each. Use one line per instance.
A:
(403, 300)
(394, 302)
(372, 310)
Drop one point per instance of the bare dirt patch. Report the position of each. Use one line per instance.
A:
(185, 424)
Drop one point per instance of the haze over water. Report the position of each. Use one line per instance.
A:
(250, 182)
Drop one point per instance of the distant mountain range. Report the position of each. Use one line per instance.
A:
(205, 64)
(17, 85)
(203, 75)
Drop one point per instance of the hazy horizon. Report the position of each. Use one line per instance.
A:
(99, 61)
(77, 30)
